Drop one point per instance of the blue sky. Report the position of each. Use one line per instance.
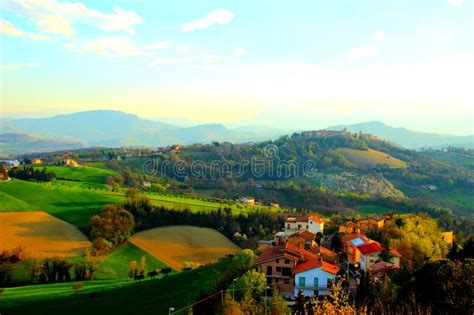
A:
(408, 63)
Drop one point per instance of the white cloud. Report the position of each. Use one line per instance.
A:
(19, 66)
(38, 37)
(57, 18)
(8, 28)
(456, 2)
(182, 48)
(379, 34)
(111, 46)
(362, 52)
(160, 45)
(239, 51)
(219, 16)
(166, 61)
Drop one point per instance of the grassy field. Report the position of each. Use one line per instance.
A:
(460, 200)
(41, 235)
(11, 203)
(82, 173)
(371, 158)
(113, 297)
(71, 204)
(177, 246)
(115, 264)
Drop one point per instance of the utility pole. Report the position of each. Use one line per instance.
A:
(222, 297)
(266, 288)
(233, 289)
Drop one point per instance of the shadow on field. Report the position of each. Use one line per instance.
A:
(80, 204)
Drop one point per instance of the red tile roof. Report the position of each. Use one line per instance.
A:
(328, 267)
(305, 218)
(327, 251)
(276, 252)
(287, 250)
(316, 218)
(383, 265)
(304, 234)
(370, 248)
(311, 264)
(395, 252)
(316, 263)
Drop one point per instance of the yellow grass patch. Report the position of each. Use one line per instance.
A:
(180, 246)
(41, 235)
(371, 158)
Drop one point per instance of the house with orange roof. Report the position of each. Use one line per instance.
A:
(278, 263)
(366, 252)
(312, 223)
(304, 238)
(314, 277)
(36, 161)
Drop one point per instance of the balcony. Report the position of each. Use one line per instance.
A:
(311, 287)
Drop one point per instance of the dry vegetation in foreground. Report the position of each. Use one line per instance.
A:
(41, 235)
(184, 246)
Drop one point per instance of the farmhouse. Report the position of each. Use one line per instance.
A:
(304, 239)
(36, 161)
(248, 201)
(365, 252)
(278, 263)
(70, 162)
(282, 263)
(312, 223)
(314, 277)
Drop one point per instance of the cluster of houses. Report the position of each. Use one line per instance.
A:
(295, 262)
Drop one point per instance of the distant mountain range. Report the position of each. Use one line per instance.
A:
(112, 129)
(408, 138)
(17, 143)
(115, 128)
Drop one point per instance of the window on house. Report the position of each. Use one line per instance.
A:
(315, 282)
(278, 261)
(307, 226)
(278, 269)
(288, 226)
(302, 281)
(287, 261)
(299, 226)
(286, 272)
(269, 270)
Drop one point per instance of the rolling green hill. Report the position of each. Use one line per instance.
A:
(115, 264)
(71, 204)
(112, 296)
(83, 176)
(76, 205)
